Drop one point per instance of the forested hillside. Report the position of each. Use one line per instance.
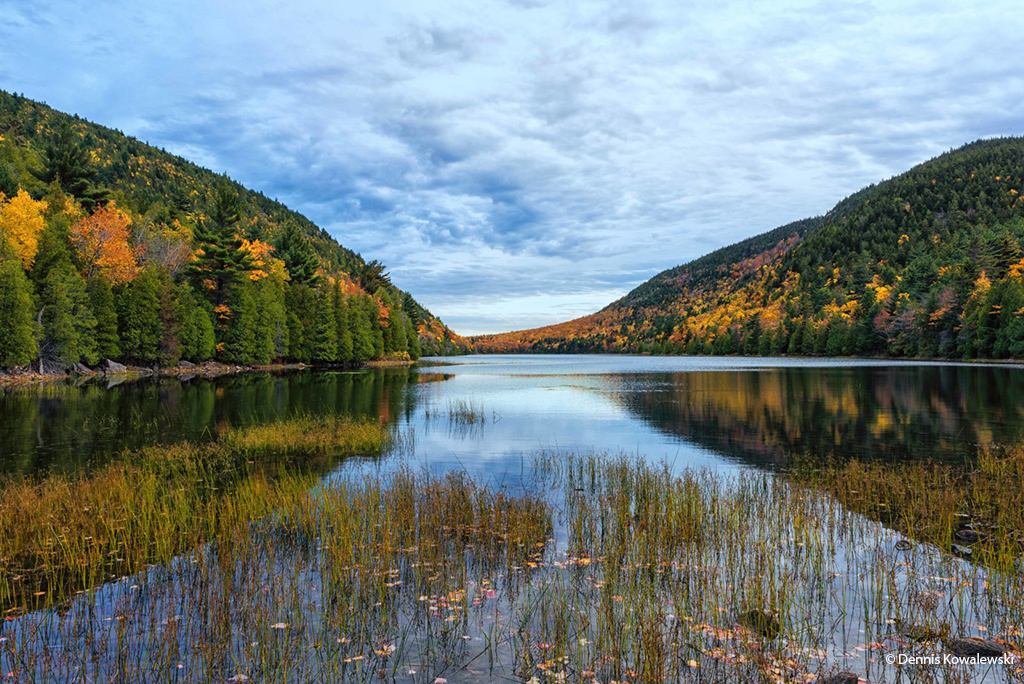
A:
(113, 249)
(927, 264)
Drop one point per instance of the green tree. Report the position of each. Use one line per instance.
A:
(221, 262)
(244, 341)
(362, 317)
(67, 161)
(141, 319)
(101, 299)
(300, 302)
(293, 249)
(343, 325)
(197, 338)
(372, 276)
(17, 333)
(68, 322)
(325, 331)
(273, 317)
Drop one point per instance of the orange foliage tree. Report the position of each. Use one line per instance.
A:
(21, 221)
(102, 241)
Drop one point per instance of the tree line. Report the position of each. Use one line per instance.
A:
(84, 277)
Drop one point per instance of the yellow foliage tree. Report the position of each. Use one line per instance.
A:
(21, 221)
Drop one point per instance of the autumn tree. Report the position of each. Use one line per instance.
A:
(101, 240)
(21, 222)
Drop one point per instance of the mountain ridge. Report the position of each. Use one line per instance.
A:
(903, 267)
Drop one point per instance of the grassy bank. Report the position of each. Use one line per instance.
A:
(65, 534)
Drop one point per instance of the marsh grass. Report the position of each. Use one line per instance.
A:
(63, 534)
(462, 417)
(599, 568)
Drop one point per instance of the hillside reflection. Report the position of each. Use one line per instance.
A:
(769, 416)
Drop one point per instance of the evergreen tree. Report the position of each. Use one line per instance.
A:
(197, 339)
(325, 332)
(221, 262)
(372, 277)
(300, 301)
(169, 348)
(17, 331)
(55, 239)
(9, 185)
(414, 342)
(362, 315)
(67, 161)
(244, 341)
(101, 299)
(342, 325)
(273, 317)
(140, 318)
(293, 249)
(68, 322)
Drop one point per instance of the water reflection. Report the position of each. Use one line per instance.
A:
(766, 417)
(66, 427)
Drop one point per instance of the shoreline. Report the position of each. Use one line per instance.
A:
(207, 370)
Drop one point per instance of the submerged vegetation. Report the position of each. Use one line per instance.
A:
(596, 568)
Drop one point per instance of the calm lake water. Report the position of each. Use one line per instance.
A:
(490, 416)
(717, 412)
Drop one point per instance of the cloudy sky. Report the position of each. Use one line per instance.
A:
(522, 162)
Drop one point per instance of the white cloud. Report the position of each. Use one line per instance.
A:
(520, 162)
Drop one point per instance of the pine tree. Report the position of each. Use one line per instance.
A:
(414, 342)
(221, 262)
(325, 332)
(300, 301)
(17, 332)
(293, 249)
(101, 299)
(67, 161)
(243, 341)
(343, 325)
(140, 317)
(169, 347)
(68, 322)
(197, 339)
(362, 328)
(55, 240)
(9, 185)
(273, 317)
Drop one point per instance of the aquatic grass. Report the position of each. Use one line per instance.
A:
(601, 567)
(64, 534)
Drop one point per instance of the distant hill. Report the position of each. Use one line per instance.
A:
(926, 264)
(167, 199)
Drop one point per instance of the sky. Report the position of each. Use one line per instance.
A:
(522, 162)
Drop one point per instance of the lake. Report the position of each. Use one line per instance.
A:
(642, 521)
(700, 411)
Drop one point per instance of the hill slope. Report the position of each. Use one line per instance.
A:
(925, 264)
(169, 205)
